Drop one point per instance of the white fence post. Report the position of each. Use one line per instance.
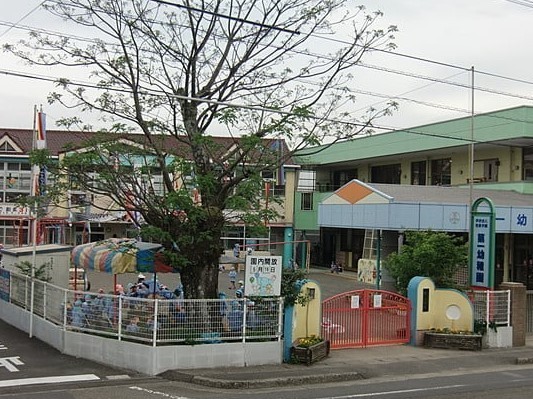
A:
(245, 309)
(45, 285)
(65, 309)
(508, 308)
(154, 335)
(119, 327)
(25, 292)
(280, 318)
(487, 311)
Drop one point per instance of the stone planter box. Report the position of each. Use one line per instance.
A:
(472, 342)
(312, 354)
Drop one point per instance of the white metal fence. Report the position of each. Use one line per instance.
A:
(152, 321)
(492, 307)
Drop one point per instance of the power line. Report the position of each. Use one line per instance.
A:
(435, 80)
(229, 104)
(322, 56)
(525, 3)
(463, 85)
(23, 18)
(289, 113)
(328, 38)
(427, 60)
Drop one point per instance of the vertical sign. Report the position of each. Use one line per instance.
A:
(263, 276)
(39, 172)
(4, 284)
(482, 243)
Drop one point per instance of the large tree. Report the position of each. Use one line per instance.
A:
(263, 73)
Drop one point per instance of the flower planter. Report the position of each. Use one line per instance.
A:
(472, 342)
(311, 354)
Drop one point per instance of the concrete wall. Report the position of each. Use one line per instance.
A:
(143, 358)
(307, 320)
(56, 257)
(445, 308)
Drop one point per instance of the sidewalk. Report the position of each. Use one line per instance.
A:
(357, 364)
(398, 361)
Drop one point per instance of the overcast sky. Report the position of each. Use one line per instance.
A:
(493, 36)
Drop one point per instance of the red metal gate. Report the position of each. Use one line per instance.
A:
(365, 317)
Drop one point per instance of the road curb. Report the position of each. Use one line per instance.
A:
(260, 383)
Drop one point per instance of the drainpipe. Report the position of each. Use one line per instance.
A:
(378, 261)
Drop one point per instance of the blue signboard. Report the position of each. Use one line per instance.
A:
(4, 284)
(482, 241)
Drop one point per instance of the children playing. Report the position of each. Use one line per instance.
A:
(232, 277)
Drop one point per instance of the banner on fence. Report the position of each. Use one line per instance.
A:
(4, 284)
(263, 275)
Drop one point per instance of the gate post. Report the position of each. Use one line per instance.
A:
(518, 311)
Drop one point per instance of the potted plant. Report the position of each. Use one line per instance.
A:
(310, 349)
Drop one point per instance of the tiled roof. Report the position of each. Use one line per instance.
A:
(56, 140)
(59, 141)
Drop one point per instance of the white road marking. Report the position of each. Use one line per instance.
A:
(367, 395)
(48, 380)
(10, 363)
(163, 394)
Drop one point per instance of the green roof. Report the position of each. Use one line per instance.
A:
(493, 126)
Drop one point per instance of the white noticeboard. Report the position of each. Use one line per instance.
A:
(263, 275)
(355, 302)
(377, 301)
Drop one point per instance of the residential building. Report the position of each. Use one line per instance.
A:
(84, 217)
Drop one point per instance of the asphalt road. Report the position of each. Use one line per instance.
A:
(28, 361)
(504, 384)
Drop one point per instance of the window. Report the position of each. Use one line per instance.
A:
(306, 180)
(418, 173)
(341, 177)
(12, 181)
(441, 172)
(527, 162)
(307, 202)
(78, 199)
(268, 175)
(389, 174)
(491, 169)
(14, 197)
(6, 147)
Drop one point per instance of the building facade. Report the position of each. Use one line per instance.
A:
(84, 217)
(438, 154)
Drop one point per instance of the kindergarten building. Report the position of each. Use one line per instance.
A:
(421, 178)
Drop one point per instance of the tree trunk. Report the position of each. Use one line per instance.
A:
(200, 281)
